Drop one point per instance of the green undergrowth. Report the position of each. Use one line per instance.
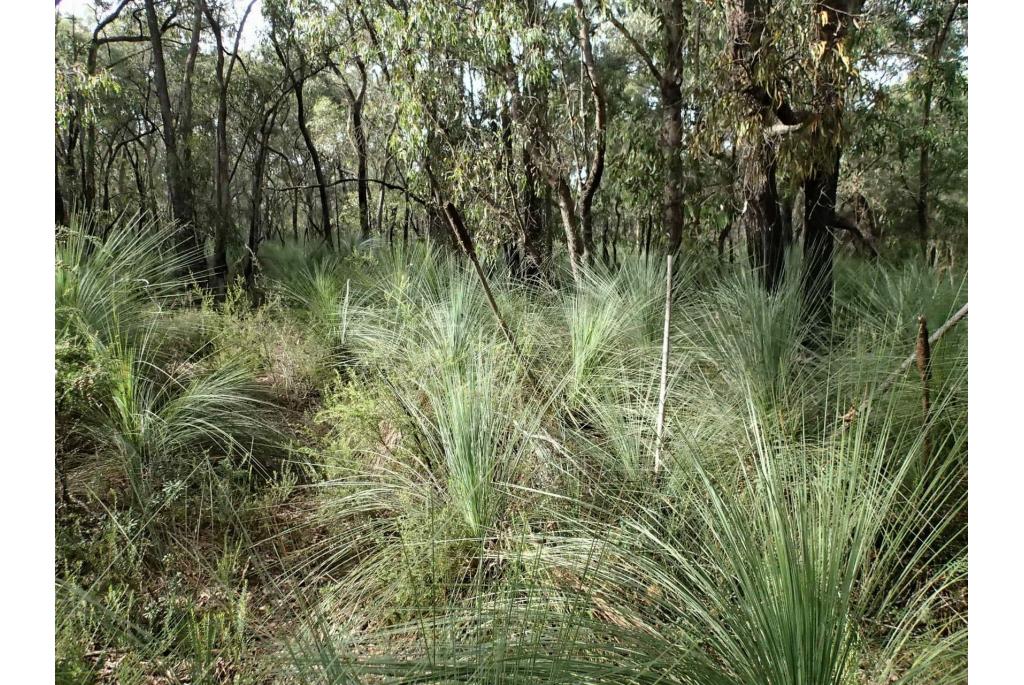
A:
(363, 480)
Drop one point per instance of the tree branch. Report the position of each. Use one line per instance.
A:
(644, 55)
(348, 179)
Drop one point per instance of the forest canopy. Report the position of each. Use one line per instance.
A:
(551, 127)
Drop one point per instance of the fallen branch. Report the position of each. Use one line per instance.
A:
(846, 224)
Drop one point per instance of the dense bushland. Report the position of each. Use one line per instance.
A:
(362, 480)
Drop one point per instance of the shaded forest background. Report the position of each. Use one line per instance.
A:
(554, 129)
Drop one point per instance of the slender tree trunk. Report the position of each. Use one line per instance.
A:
(91, 61)
(672, 122)
(669, 80)
(178, 186)
(923, 202)
(533, 217)
(362, 187)
(596, 171)
(318, 169)
(573, 239)
(923, 211)
(819, 243)
(61, 218)
(356, 102)
(219, 275)
(255, 215)
(405, 223)
(672, 191)
(298, 81)
(381, 200)
(224, 226)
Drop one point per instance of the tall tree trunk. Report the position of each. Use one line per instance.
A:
(533, 217)
(61, 218)
(91, 62)
(756, 159)
(672, 20)
(761, 219)
(596, 171)
(219, 275)
(298, 81)
(356, 102)
(223, 176)
(669, 80)
(819, 242)
(178, 186)
(923, 201)
(381, 200)
(318, 169)
(821, 183)
(573, 239)
(255, 214)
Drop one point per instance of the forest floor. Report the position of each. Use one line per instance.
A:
(361, 481)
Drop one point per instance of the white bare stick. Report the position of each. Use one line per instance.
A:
(663, 394)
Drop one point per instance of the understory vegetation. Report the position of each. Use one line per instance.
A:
(361, 478)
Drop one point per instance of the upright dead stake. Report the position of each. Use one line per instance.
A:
(923, 355)
(930, 341)
(663, 393)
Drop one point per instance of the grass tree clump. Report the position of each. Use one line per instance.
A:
(749, 343)
(109, 279)
(480, 432)
(456, 508)
(773, 582)
(164, 426)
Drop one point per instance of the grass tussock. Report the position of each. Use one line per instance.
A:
(360, 480)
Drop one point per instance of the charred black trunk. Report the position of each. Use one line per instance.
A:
(61, 217)
(762, 219)
(819, 241)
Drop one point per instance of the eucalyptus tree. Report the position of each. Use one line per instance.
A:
(299, 68)
(356, 98)
(176, 128)
(223, 212)
(934, 71)
(532, 118)
(913, 108)
(571, 150)
(94, 98)
(667, 72)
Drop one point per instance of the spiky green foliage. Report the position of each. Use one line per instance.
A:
(456, 512)
(164, 425)
(781, 547)
(749, 343)
(774, 581)
(107, 286)
(322, 294)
